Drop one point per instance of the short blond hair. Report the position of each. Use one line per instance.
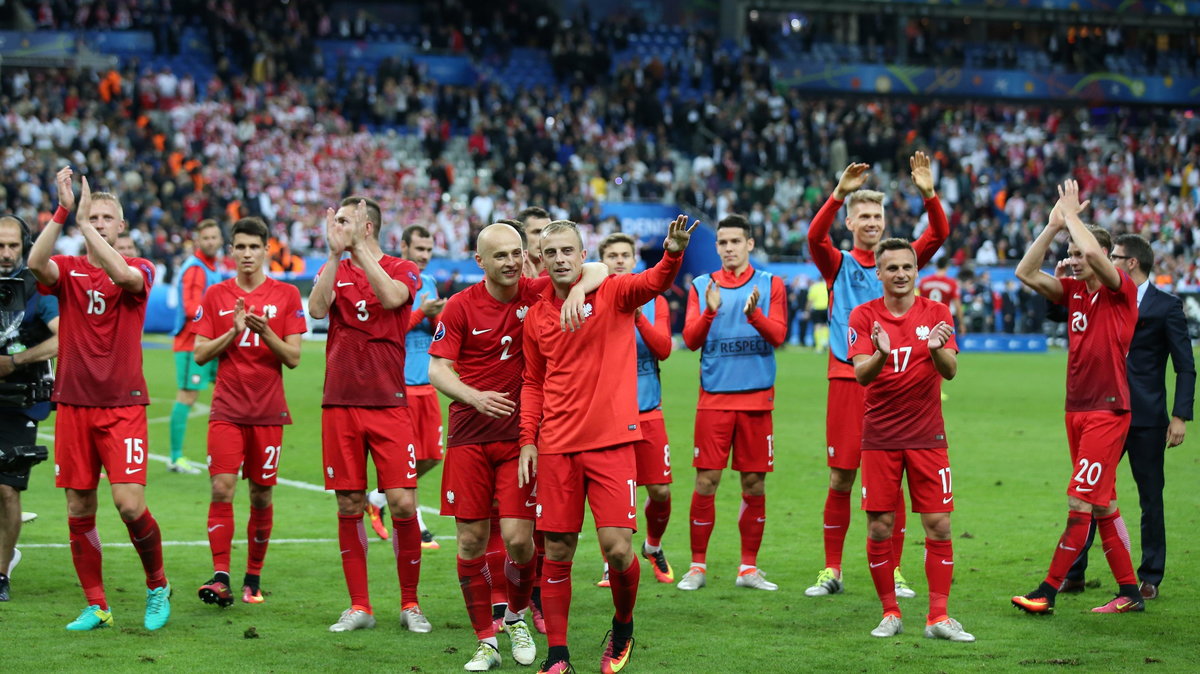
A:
(109, 196)
(562, 226)
(863, 196)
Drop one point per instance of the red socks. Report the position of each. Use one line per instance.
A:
(837, 523)
(519, 581)
(406, 543)
(751, 521)
(1116, 547)
(220, 534)
(624, 586)
(352, 537)
(147, 540)
(258, 536)
(879, 557)
(658, 513)
(473, 577)
(1067, 550)
(703, 515)
(939, 572)
(556, 600)
(85, 553)
(495, 560)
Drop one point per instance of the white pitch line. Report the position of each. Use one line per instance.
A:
(204, 543)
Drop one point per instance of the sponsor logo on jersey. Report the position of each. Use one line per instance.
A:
(440, 332)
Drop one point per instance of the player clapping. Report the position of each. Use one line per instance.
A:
(252, 325)
(902, 347)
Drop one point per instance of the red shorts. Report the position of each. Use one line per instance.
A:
(843, 423)
(475, 476)
(426, 412)
(254, 449)
(349, 433)
(749, 434)
(1097, 440)
(653, 453)
(606, 477)
(930, 489)
(87, 439)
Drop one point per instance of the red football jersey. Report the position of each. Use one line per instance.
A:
(580, 388)
(484, 338)
(1100, 327)
(249, 387)
(364, 357)
(939, 288)
(99, 334)
(904, 403)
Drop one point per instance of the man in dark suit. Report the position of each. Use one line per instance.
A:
(1161, 332)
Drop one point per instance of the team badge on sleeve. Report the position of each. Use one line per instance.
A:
(199, 314)
(440, 332)
(852, 335)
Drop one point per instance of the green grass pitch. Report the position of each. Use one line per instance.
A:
(1007, 446)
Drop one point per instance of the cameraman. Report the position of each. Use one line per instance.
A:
(23, 359)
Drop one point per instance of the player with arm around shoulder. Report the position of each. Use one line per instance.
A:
(251, 325)
(902, 347)
(579, 438)
(477, 360)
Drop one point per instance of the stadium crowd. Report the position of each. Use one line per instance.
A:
(267, 136)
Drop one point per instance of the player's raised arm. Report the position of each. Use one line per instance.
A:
(939, 228)
(321, 297)
(1029, 269)
(637, 289)
(106, 257)
(824, 254)
(392, 294)
(1094, 255)
(44, 269)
